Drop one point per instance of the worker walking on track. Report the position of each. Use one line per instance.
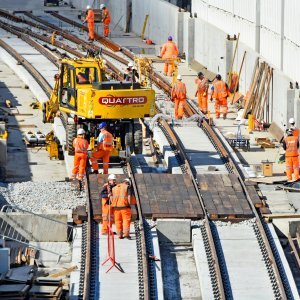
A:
(105, 19)
(90, 19)
(131, 73)
(202, 92)
(107, 209)
(103, 149)
(169, 52)
(220, 94)
(178, 96)
(81, 146)
(291, 147)
(122, 198)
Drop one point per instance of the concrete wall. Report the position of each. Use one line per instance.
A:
(34, 227)
(164, 20)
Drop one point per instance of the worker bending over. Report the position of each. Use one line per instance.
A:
(103, 149)
(178, 96)
(107, 209)
(90, 19)
(122, 198)
(220, 94)
(105, 19)
(291, 147)
(293, 127)
(202, 92)
(131, 73)
(169, 52)
(81, 146)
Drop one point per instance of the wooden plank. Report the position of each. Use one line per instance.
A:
(226, 180)
(254, 196)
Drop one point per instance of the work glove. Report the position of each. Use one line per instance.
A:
(204, 94)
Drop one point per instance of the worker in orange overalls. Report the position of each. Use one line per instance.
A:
(169, 51)
(81, 146)
(122, 198)
(291, 147)
(105, 19)
(220, 94)
(107, 209)
(178, 96)
(202, 92)
(293, 127)
(90, 19)
(104, 147)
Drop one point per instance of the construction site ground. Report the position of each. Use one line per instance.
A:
(33, 164)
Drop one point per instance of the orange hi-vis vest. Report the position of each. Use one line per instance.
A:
(295, 132)
(120, 196)
(179, 91)
(90, 18)
(106, 16)
(220, 90)
(107, 144)
(80, 145)
(291, 146)
(169, 50)
(202, 85)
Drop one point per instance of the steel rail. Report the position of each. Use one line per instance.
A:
(32, 70)
(218, 287)
(146, 282)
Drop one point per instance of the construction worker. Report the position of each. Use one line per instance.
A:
(220, 94)
(81, 146)
(168, 52)
(90, 19)
(291, 147)
(131, 73)
(178, 96)
(81, 78)
(103, 149)
(107, 209)
(202, 92)
(122, 198)
(293, 127)
(105, 19)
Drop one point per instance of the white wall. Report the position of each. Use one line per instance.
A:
(276, 27)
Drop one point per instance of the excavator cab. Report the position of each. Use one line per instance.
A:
(83, 96)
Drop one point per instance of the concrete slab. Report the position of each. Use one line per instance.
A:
(110, 284)
(174, 230)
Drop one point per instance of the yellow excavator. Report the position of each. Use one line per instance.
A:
(84, 96)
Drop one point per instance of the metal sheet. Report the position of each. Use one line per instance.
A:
(271, 15)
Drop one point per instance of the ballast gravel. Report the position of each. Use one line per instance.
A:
(41, 196)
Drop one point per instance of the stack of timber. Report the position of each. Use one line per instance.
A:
(257, 98)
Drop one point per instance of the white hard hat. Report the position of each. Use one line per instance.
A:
(80, 131)
(130, 64)
(292, 121)
(127, 180)
(179, 77)
(112, 177)
(102, 6)
(88, 7)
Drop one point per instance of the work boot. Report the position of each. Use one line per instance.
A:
(128, 237)
(224, 117)
(95, 172)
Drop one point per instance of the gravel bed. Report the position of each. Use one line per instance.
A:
(41, 196)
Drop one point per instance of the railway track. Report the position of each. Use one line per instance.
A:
(219, 279)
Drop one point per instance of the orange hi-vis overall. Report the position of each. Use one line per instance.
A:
(106, 21)
(169, 51)
(122, 211)
(81, 146)
(103, 151)
(178, 96)
(220, 94)
(107, 209)
(90, 18)
(292, 157)
(202, 86)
